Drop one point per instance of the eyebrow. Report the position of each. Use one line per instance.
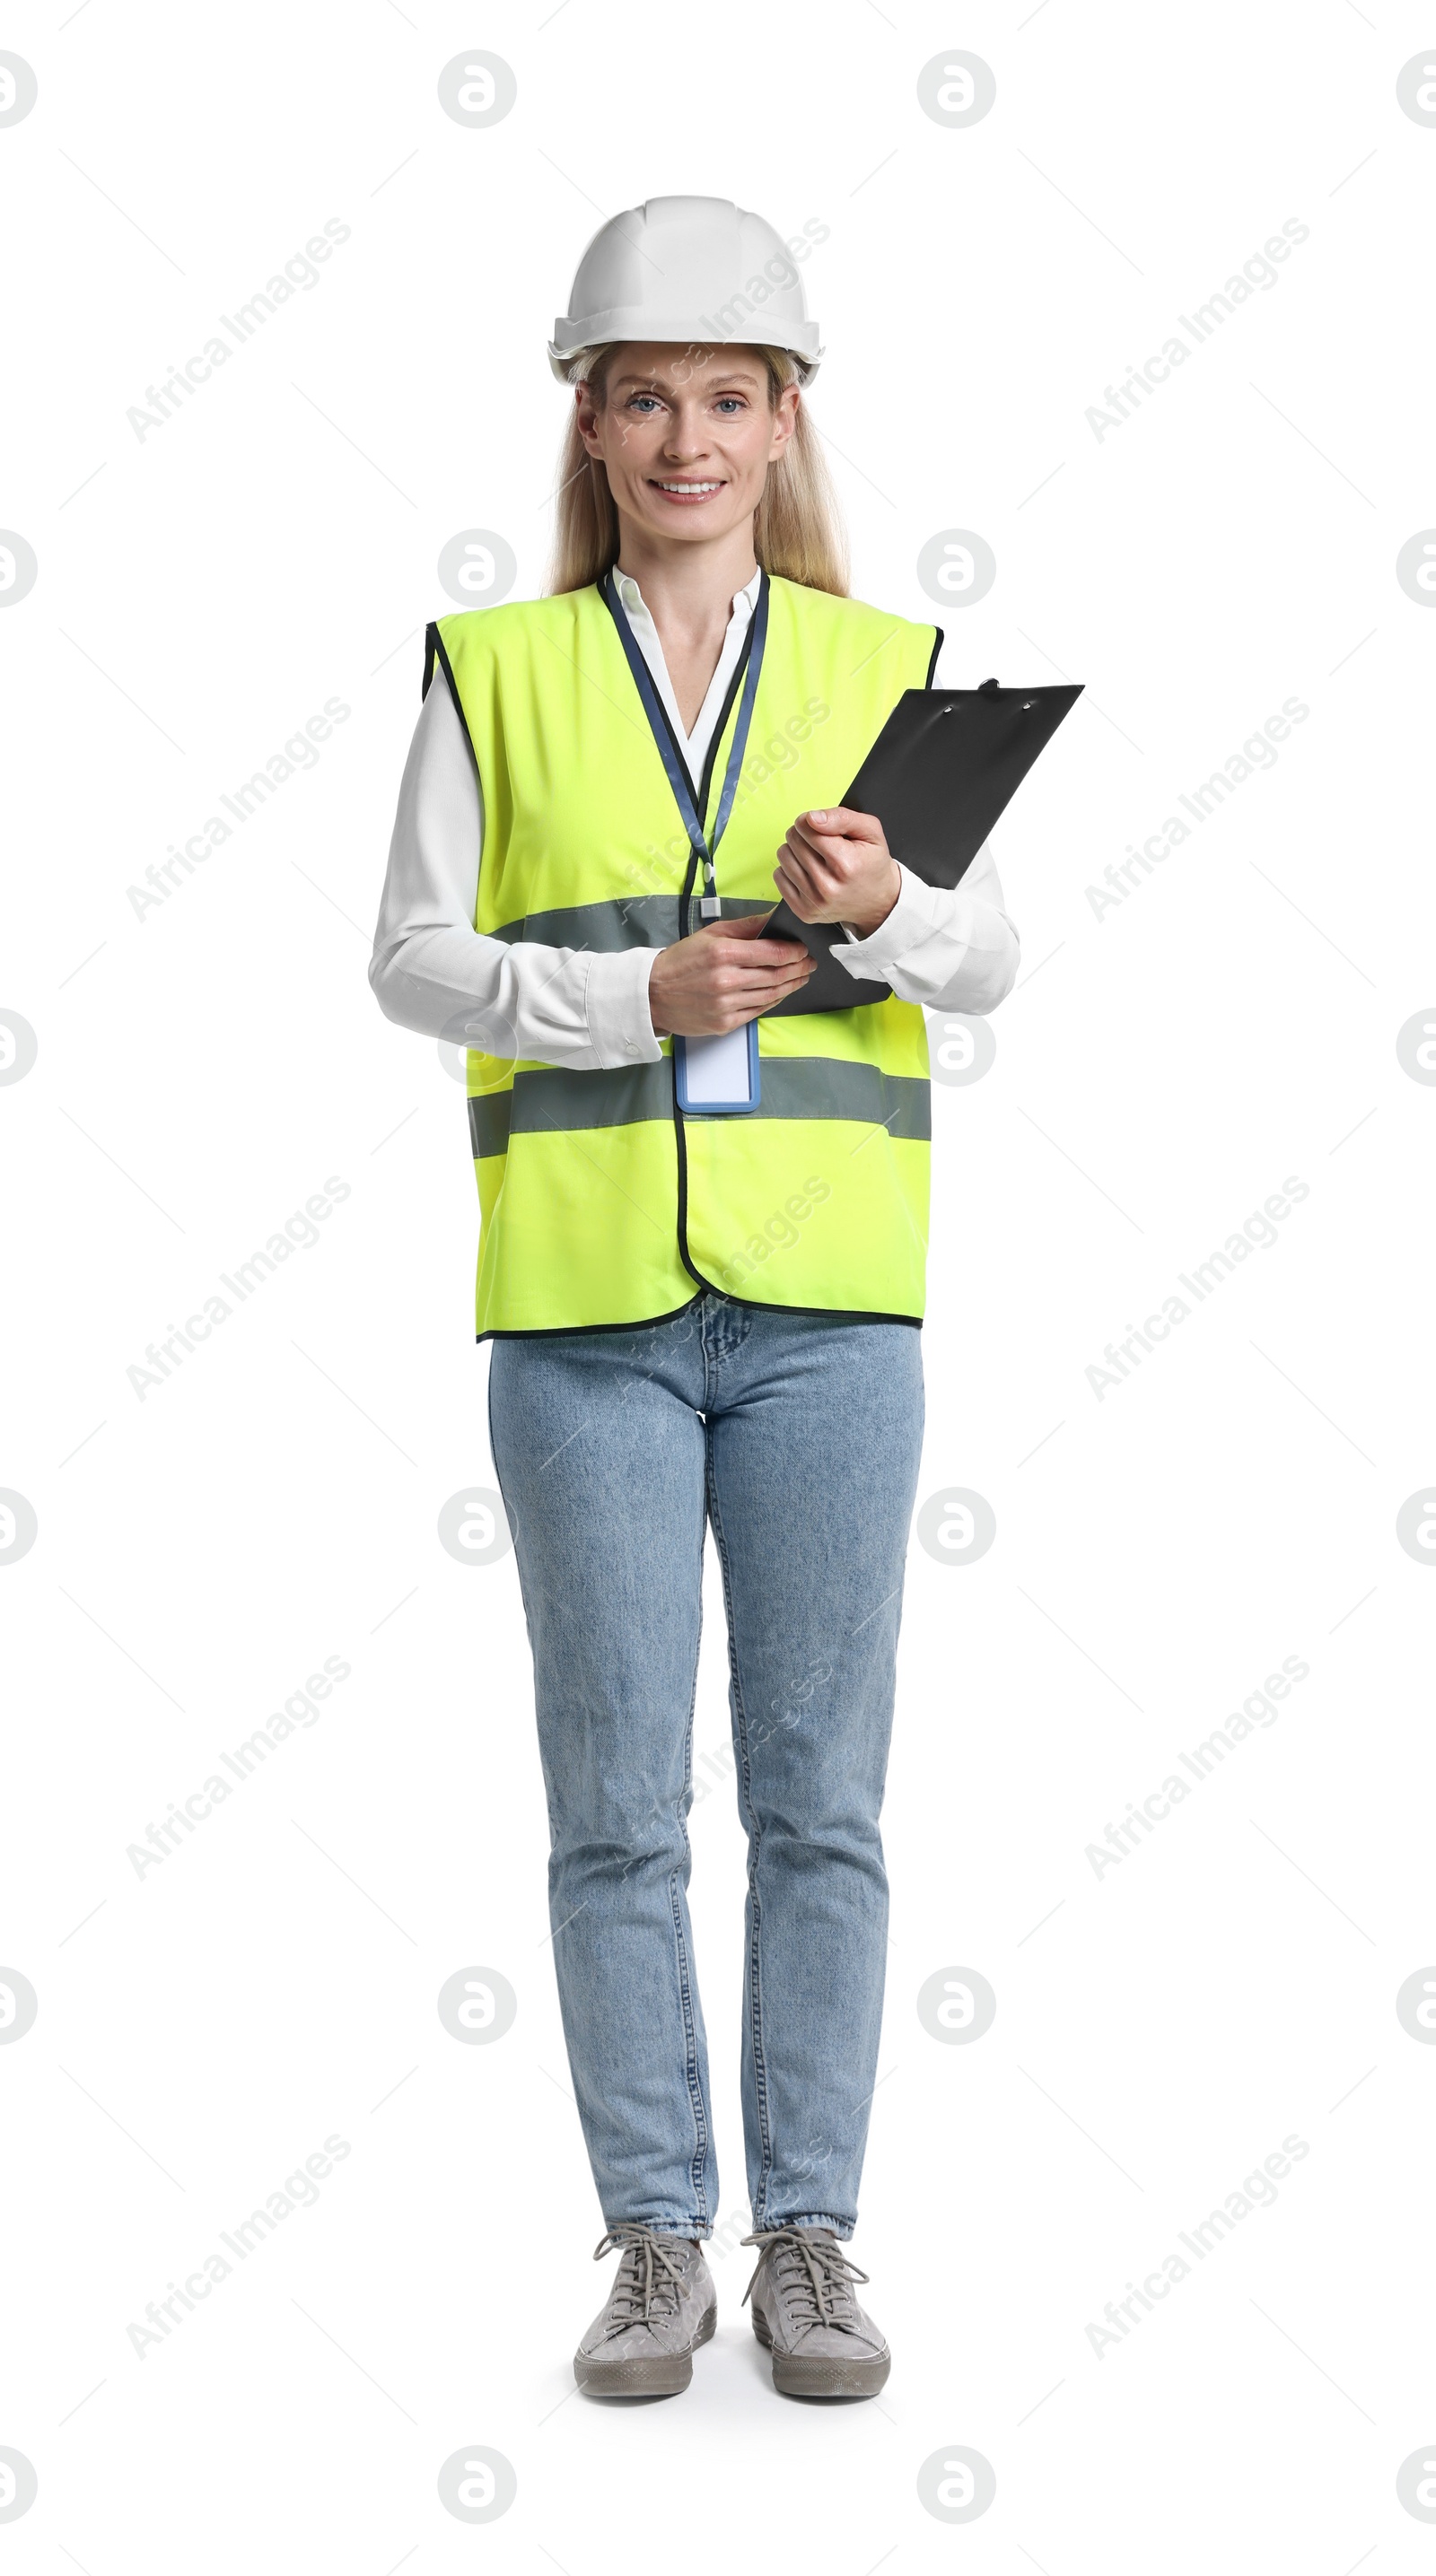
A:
(659, 384)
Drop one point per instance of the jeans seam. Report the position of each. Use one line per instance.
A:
(695, 2090)
(725, 1343)
(755, 1983)
(701, 2125)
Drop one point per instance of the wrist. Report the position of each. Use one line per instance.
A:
(875, 914)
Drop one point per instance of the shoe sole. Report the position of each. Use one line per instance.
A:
(808, 2375)
(663, 2374)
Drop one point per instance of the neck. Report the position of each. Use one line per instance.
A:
(687, 587)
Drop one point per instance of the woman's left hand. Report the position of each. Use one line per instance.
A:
(836, 866)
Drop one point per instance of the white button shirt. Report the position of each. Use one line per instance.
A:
(951, 949)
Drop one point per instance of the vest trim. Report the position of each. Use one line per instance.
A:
(435, 651)
(702, 789)
(645, 1323)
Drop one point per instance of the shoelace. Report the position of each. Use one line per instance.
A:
(811, 2274)
(648, 2278)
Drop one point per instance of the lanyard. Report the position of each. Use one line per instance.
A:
(678, 779)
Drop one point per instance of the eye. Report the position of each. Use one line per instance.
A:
(640, 398)
(735, 399)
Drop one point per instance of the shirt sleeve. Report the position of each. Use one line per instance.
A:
(433, 972)
(951, 948)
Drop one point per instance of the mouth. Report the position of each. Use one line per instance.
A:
(685, 491)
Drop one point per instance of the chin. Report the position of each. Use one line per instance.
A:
(691, 522)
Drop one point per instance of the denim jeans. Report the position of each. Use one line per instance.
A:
(797, 1437)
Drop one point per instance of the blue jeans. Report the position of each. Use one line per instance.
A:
(798, 1438)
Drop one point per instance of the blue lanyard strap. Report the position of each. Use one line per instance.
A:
(703, 847)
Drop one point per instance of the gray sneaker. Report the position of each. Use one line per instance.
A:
(661, 2308)
(804, 2313)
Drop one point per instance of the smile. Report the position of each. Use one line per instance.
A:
(676, 491)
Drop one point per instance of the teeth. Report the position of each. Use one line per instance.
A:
(690, 487)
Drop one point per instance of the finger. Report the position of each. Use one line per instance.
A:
(754, 1010)
(798, 902)
(802, 843)
(827, 875)
(747, 1006)
(806, 911)
(833, 863)
(814, 877)
(744, 925)
(844, 820)
(809, 896)
(715, 938)
(844, 856)
(737, 982)
(772, 954)
(801, 864)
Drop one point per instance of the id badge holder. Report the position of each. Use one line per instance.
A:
(717, 1076)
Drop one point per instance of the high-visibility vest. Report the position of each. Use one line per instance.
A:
(601, 1202)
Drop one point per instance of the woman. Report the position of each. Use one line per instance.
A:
(697, 1316)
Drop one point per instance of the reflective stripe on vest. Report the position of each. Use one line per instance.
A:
(624, 1095)
(601, 1205)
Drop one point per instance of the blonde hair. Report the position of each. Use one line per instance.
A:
(797, 530)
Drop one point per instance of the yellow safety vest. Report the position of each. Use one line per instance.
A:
(601, 1203)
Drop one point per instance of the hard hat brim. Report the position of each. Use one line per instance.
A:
(604, 329)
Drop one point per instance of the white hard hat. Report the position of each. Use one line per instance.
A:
(692, 270)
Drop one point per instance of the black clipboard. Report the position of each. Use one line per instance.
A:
(945, 766)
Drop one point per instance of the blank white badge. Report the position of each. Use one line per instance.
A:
(718, 1067)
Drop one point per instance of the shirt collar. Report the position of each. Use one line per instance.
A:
(744, 601)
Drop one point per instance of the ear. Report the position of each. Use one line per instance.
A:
(785, 420)
(585, 411)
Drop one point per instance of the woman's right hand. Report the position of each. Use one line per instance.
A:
(717, 979)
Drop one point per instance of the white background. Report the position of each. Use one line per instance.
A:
(1159, 1072)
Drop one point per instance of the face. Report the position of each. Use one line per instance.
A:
(686, 435)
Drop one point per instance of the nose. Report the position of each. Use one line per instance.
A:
(687, 438)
